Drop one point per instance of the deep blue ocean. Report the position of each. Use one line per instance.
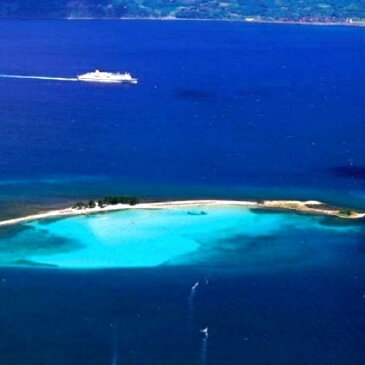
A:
(221, 110)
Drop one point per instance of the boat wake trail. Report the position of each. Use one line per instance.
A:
(204, 346)
(38, 77)
(191, 301)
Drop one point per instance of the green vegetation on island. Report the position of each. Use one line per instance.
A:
(269, 10)
(108, 200)
(346, 213)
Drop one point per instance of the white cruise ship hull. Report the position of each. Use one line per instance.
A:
(113, 81)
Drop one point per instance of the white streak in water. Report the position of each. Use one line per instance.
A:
(38, 77)
(191, 301)
(204, 346)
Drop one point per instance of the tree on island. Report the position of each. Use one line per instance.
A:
(79, 205)
(108, 200)
(91, 204)
(113, 200)
(346, 212)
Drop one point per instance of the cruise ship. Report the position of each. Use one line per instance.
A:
(99, 76)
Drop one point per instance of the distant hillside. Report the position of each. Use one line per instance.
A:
(298, 10)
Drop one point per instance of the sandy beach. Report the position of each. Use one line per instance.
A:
(310, 206)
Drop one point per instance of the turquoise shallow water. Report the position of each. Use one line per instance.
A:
(199, 235)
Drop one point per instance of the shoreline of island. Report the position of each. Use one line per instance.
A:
(312, 207)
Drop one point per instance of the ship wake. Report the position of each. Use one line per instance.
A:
(38, 77)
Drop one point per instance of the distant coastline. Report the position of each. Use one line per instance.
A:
(309, 207)
(342, 22)
(353, 23)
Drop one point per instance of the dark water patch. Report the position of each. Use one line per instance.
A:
(273, 251)
(11, 230)
(282, 211)
(270, 250)
(197, 213)
(195, 95)
(31, 241)
(355, 172)
(48, 221)
(264, 211)
(32, 264)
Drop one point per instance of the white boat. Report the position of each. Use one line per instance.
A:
(99, 76)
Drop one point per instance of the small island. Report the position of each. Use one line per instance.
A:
(113, 203)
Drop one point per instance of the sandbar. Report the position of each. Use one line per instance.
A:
(309, 206)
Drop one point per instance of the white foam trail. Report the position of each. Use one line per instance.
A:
(115, 345)
(38, 77)
(204, 346)
(191, 301)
